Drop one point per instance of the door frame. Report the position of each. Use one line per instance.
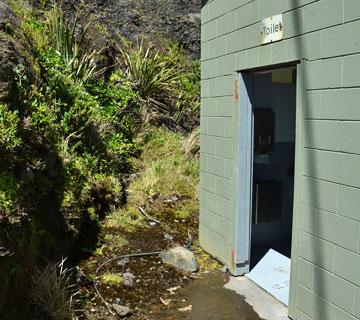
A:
(245, 134)
(244, 174)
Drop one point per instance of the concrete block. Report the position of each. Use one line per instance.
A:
(209, 69)
(342, 104)
(205, 88)
(203, 161)
(204, 51)
(225, 147)
(247, 14)
(216, 127)
(206, 218)
(207, 145)
(265, 55)
(357, 303)
(341, 40)
(225, 106)
(320, 194)
(226, 23)
(270, 8)
(217, 87)
(208, 181)
(221, 227)
(226, 209)
(208, 31)
(308, 219)
(229, 169)
(293, 49)
(225, 65)
(349, 202)
(290, 5)
(331, 166)
(351, 76)
(235, 41)
(251, 36)
(278, 54)
(216, 9)
(293, 23)
(225, 188)
(351, 10)
(322, 134)
(350, 137)
(311, 304)
(317, 251)
(347, 265)
(229, 127)
(252, 58)
(240, 60)
(208, 107)
(338, 230)
(234, 4)
(211, 203)
(333, 289)
(216, 166)
(305, 273)
(204, 14)
(219, 48)
(322, 14)
(323, 74)
(350, 170)
(340, 314)
(311, 45)
(312, 105)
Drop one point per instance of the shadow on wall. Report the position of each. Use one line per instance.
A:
(318, 284)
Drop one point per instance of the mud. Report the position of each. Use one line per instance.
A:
(211, 301)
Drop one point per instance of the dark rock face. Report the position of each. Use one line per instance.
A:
(178, 21)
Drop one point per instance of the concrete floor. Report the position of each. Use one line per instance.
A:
(265, 305)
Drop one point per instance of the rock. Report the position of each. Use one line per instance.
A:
(180, 258)
(128, 279)
(123, 262)
(121, 311)
(12, 56)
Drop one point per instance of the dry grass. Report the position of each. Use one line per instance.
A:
(51, 292)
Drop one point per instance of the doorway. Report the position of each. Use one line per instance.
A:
(267, 116)
(274, 111)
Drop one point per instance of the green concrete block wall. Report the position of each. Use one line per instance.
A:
(324, 35)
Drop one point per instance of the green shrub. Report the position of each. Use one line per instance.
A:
(79, 63)
(8, 193)
(9, 127)
(149, 70)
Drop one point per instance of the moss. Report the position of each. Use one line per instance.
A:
(167, 170)
(116, 240)
(113, 279)
(188, 210)
(129, 219)
(8, 193)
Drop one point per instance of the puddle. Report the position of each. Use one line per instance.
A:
(211, 301)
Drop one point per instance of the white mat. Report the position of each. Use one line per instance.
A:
(272, 274)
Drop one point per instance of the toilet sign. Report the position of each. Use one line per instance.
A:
(271, 29)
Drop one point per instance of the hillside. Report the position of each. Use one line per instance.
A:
(99, 107)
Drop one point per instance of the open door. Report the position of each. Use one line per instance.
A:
(245, 164)
(266, 135)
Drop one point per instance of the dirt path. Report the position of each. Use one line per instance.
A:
(149, 294)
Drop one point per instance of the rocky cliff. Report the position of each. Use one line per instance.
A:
(176, 20)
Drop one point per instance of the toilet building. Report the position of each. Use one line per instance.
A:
(280, 145)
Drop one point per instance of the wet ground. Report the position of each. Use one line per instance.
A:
(158, 291)
(211, 301)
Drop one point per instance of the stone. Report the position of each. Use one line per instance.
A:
(121, 311)
(128, 279)
(12, 56)
(180, 258)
